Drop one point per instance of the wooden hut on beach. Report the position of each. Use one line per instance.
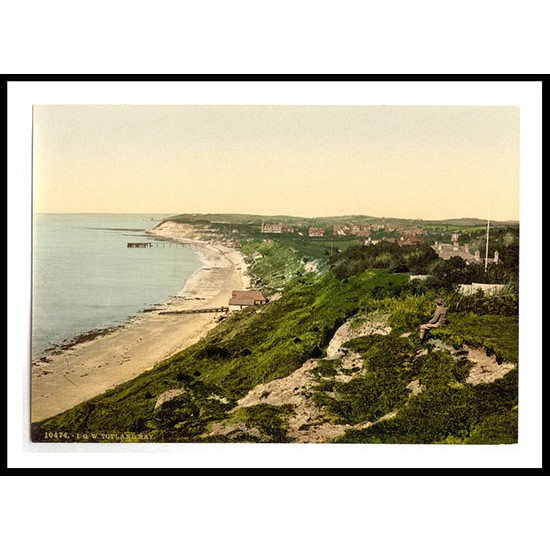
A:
(246, 298)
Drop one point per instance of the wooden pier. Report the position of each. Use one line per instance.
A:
(156, 243)
(139, 245)
(204, 310)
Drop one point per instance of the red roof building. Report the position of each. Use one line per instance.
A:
(408, 239)
(316, 232)
(245, 298)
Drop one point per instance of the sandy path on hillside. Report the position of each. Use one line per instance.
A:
(84, 370)
(308, 423)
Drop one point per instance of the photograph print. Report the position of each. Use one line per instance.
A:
(275, 274)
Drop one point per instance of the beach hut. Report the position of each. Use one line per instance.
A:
(246, 298)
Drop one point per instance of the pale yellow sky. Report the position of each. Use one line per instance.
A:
(409, 162)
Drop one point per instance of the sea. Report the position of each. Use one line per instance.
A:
(85, 278)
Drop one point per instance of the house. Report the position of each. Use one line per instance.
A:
(446, 251)
(408, 239)
(360, 230)
(245, 298)
(370, 241)
(316, 232)
(340, 230)
(276, 228)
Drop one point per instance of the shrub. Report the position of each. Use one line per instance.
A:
(496, 429)
(429, 417)
(271, 420)
(380, 390)
(327, 367)
(214, 352)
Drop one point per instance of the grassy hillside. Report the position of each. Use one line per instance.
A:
(371, 403)
(263, 344)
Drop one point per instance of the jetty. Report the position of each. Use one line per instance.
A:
(222, 309)
(159, 243)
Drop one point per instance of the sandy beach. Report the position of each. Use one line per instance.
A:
(81, 371)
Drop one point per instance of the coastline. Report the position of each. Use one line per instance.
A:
(95, 362)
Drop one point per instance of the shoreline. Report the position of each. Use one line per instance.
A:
(68, 374)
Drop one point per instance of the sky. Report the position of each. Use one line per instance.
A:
(408, 162)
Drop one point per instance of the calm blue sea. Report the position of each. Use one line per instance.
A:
(85, 277)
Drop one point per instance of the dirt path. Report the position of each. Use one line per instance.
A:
(372, 325)
(308, 423)
(485, 370)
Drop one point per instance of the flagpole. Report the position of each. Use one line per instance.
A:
(487, 241)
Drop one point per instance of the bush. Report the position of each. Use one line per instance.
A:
(497, 334)
(271, 420)
(214, 352)
(496, 429)
(380, 390)
(430, 417)
(327, 367)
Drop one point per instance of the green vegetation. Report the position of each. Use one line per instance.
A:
(447, 410)
(262, 423)
(275, 266)
(327, 367)
(391, 256)
(422, 259)
(497, 334)
(264, 343)
(444, 413)
(380, 390)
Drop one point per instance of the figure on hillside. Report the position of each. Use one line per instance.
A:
(438, 319)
